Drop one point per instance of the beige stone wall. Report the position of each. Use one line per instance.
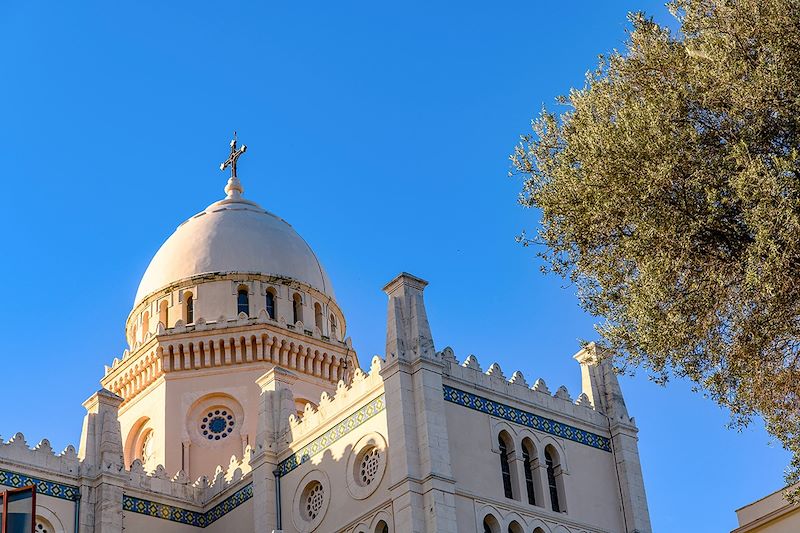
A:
(771, 514)
(589, 474)
(60, 514)
(139, 523)
(240, 519)
(359, 452)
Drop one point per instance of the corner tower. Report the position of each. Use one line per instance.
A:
(231, 294)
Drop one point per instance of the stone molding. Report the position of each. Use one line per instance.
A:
(252, 343)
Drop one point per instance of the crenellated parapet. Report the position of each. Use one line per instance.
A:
(41, 457)
(330, 409)
(517, 390)
(179, 486)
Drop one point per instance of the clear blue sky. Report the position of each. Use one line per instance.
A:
(380, 131)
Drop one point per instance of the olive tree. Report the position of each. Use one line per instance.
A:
(669, 193)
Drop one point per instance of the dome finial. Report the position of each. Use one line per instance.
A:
(233, 189)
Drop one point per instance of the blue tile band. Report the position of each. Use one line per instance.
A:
(524, 418)
(186, 516)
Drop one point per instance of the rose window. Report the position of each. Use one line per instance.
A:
(370, 463)
(314, 500)
(217, 424)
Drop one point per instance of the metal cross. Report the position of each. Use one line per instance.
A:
(231, 161)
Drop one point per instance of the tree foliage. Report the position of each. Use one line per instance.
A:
(669, 193)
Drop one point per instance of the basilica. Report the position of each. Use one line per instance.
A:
(240, 405)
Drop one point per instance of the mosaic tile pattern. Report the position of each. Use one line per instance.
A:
(186, 516)
(524, 418)
(49, 488)
(332, 435)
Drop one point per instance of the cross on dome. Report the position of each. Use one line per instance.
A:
(234, 188)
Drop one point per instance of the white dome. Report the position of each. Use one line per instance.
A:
(233, 235)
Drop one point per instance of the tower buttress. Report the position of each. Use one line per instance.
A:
(422, 478)
(601, 385)
(103, 473)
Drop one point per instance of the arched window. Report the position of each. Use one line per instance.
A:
(243, 302)
(318, 315)
(297, 308)
(333, 326)
(514, 527)
(271, 304)
(189, 303)
(505, 468)
(528, 453)
(382, 527)
(163, 313)
(552, 483)
(490, 524)
(145, 323)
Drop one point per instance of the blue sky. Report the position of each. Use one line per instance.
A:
(381, 131)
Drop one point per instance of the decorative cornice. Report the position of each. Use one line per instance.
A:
(524, 418)
(43, 486)
(333, 434)
(187, 516)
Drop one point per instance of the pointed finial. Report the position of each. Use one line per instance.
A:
(233, 189)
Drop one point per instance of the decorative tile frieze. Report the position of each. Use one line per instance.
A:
(524, 418)
(187, 516)
(48, 488)
(335, 433)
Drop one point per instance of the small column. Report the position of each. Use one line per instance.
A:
(601, 385)
(423, 488)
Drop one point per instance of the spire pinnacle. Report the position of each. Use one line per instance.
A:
(233, 189)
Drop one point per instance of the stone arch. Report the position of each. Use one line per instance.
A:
(381, 516)
(515, 526)
(490, 523)
(145, 324)
(506, 452)
(547, 440)
(531, 469)
(499, 426)
(163, 313)
(48, 519)
(555, 478)
(135, 439)
(539, 526)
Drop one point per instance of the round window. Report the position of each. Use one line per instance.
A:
(368, 468)
(313, 500)
(217, 424)
(366, 465)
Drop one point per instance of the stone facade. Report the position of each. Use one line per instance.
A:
(771, 514)
(229, 413)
